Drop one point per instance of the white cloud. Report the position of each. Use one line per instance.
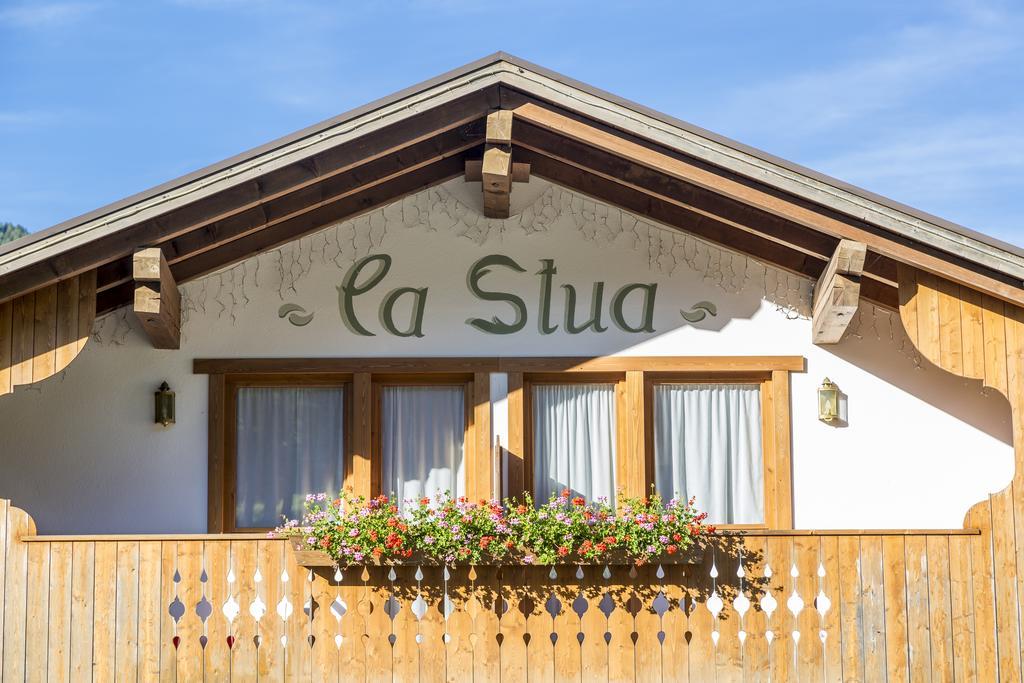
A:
(43, 14)
(899, 67)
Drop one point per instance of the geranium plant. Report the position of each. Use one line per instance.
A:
(565, 529)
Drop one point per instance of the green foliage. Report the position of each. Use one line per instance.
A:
(564, 530)
(10, 232)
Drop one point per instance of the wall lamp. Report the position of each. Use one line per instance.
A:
(164, 405)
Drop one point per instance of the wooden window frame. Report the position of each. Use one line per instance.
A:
(635, 422)
(362, 381)
(635, 378)
(223, 488)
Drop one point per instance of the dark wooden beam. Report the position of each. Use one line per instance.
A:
(306, 199)
(157, 299)
(701, 225)
(248, 196)
(348, 207)
(837, 293)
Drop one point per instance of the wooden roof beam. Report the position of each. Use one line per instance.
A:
(837, 293)
(157, 299)
(791, 208)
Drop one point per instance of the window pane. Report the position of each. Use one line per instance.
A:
(574, 440)
(290, 442)
(707, 444)
(422, 433)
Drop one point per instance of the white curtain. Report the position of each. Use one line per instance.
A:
(423, 431)
(574, 440)
(707, 443)
(290, 442)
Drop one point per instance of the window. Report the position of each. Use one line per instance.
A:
(707, 445)
(280, 429)
(574, 439)
(290, 441)
(423, 436)
(713, 428)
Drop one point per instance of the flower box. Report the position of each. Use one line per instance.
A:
(312, 559)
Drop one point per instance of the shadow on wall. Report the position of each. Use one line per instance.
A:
(984, 409)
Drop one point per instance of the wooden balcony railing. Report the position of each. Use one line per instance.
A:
(778, 606)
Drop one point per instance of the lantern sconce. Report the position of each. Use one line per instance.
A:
(831, 404)
(164, 405)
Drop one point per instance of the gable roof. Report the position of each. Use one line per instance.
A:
(571, 133)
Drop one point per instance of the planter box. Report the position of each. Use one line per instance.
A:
(310, 558)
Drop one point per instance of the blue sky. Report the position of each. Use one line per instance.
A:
(922, 101)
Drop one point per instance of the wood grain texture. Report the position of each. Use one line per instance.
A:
(43, 331)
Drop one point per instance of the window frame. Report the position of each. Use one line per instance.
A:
(635, 378)
(362, 379)
(229, 476)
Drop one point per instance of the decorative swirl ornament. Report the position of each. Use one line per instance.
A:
(699, 311)
(295, 314)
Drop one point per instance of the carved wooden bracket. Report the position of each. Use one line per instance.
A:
(837, 294)
(496, 170)
(157, 299)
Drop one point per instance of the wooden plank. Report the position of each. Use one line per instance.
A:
(918, 575)
(243, 652)
(157, 299)
(961, 598)
(67, 323)
(104, 613)
(326, 653)
(515, 449)
(951, 351)
(972, 333)
(872, 600)
(756, 664)
(58, 657)
(928, 317)
(1007, 606)
(167, 667)
(22, 339)
(982, 582)
(728, 653)
(782, 650)
(940, 611)
(851, 612)
(897, 664)
(994, 322)
(486, 654)
(86, 306)
(621, 651)
(810, 655)
(151, 609)
(359, 481)
(831, 621)
(129, 611)
(270, 657)
(83, 605)
(44, 344)
(6, 346)
(217, 659)
(483, 451)
(907, 277)
(783, 450)
(632, 457)
(219, 495)
(37, 620)
(837, 293)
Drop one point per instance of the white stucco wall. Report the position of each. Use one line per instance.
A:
(81, 454)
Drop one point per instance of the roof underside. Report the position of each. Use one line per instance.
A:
(423, 136)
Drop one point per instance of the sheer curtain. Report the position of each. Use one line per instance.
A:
(423, 431)
(574, 440)
(290, 442)
(707, 443)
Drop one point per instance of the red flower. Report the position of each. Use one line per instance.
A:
(373, 535)
(565, 493)
(578, 501)
(562, 551)
(671, 550)
(378, 551)
(324, 542)
(424, 501)
(521, 509)
(601, 547)
(509, 544)
(676, 538)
